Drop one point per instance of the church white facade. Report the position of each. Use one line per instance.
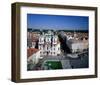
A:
(49, 44)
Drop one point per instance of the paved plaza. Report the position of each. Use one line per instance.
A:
(67, 62)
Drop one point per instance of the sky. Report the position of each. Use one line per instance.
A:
(60, 22)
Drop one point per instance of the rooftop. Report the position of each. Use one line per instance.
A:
(77, 41)
(31, 51)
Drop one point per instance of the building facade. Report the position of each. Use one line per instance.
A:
(49, 44)
(77, 45)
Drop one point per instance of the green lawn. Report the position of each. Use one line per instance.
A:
(53, 64)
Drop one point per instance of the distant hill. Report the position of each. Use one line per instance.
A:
(45, 30)
(74, 31)
(31, 30)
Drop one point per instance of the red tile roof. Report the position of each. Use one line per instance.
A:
(31, 51)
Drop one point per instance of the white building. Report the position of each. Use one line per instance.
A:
(77, 45)
(49, 44)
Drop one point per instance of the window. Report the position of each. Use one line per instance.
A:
(58, 48)
(47, 48)
(48, 39)
(40, 39)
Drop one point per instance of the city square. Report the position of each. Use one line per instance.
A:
(50, 48)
